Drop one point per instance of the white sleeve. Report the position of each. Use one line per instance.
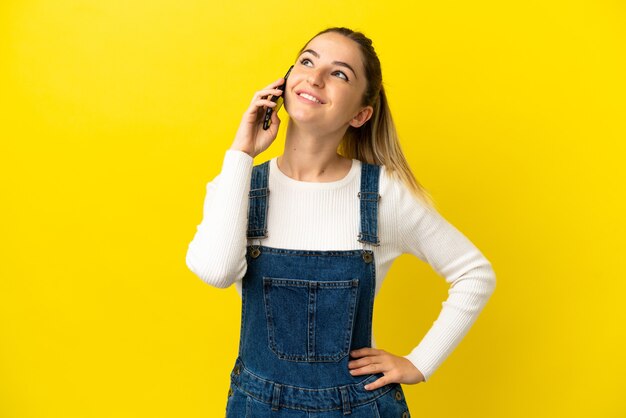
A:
(427, 235)
(217, 252)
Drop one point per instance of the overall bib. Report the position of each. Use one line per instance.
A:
(302, 313)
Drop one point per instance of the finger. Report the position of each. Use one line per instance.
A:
(363, 352)
(276, 83)
(270, 89)
(258, 105)
(266, 93)
(364, 361)
(265, 102)
(378, 383)
(371, 368)
(359, 372)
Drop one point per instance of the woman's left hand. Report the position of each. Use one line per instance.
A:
(396, 369)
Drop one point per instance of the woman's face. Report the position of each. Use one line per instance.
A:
(325, 88)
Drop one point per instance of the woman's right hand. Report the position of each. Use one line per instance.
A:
(251, 137)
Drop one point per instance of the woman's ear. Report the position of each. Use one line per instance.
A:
(363, 116)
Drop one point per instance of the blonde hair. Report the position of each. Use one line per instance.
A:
(376, 141)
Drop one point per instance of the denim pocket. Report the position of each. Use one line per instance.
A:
(310, 320)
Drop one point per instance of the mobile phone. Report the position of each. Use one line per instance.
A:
(279, 102)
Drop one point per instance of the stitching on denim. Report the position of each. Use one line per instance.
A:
(283, 405)
(312, 285)
(310, 253)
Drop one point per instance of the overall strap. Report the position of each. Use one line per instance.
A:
(257, 209)
(369, 203)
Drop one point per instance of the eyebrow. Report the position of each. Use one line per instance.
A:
(340, 63)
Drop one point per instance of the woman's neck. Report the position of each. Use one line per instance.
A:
(312, 158)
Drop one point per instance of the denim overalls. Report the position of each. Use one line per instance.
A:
(302, 313)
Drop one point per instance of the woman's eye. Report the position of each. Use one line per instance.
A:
(307, 62)
(343, 75)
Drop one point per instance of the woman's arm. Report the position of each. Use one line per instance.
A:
(427, 235)
(217, 252)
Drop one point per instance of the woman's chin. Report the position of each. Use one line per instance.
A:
(304, 120)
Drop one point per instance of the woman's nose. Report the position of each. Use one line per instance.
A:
(315, 78)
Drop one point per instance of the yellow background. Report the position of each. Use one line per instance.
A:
(115, 114)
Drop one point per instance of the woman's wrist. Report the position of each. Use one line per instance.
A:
(242, 149)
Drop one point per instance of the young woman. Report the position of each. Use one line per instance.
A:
(309, 258)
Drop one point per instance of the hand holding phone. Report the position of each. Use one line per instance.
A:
(279, 102)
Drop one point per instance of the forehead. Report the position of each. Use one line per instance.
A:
(337, 47)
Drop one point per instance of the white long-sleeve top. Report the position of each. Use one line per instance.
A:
(325, 216)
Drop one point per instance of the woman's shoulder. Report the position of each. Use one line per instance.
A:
(398, 193)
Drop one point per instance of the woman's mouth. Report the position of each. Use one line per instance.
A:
(308, 97)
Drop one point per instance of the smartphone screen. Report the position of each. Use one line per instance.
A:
(279, 102)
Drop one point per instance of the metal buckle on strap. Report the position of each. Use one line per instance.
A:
(368, 193)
